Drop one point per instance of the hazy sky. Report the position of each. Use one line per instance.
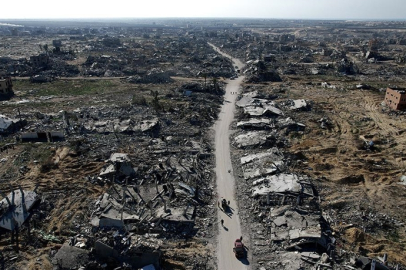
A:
(301, 9)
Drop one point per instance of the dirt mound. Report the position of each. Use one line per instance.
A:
(355, 235)
(370, 246)
(183, 255)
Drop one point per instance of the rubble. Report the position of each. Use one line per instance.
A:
(155, 174)
(118, 165)
(152, 76)
(136, 255)
(263, 123)
(8, 125)
(267, 110)
(257, 71)
(253, 139)
(71, 257)
(283, 204)
(262, 164)
(299, 104)
(125, 172)
(290, 125)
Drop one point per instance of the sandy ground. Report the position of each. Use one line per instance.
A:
(357, 186)
(231, 229)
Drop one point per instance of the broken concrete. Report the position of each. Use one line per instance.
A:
(69, 257)
(253, 139)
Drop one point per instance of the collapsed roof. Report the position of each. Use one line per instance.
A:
(16, 207)
(7, 124)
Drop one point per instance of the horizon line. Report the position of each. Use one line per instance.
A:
(208, 18)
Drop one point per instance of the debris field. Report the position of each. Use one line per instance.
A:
(106, 146)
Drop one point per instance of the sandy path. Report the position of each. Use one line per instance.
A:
(225, 180)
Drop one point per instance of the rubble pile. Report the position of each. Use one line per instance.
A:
(287, 227)
(151, 168)
(257, 71)
(284, 205)
(118, 55)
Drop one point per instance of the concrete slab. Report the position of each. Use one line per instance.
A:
(15, 215)
(251, 139)
(69, 257)
(276, 183)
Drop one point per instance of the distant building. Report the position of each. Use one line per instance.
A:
(14, 32)
(57, 44)
(269, 58)
(6, 87)
(395, 98)
(286, 38)
(40, 60)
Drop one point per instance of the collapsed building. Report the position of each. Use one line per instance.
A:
(15, 211)
(40, 60)
(164, 201)
(395, 98)
(118, 166)
(287, 216)
(9, 125)
(288, 228)
(153, 205)
(16, 207)
(153, 170)
(259, 71)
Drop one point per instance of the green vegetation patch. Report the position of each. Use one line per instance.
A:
(41, 153)
(66, 87)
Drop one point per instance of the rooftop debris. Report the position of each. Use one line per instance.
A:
(16, 208)
(263, 123)
(253, 139)
(9, 125)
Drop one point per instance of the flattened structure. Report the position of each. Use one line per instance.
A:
(16, 207)
(276, 183)
(252, 139)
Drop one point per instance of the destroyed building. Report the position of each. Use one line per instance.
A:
(51, 136)
(285, 209)
(118, 165)
(395, 98)
(259, 71)
(9, 125)
(40, 60)
(6, 87)
(16, 208)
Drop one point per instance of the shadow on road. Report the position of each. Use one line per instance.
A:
(245, 261)
(229, 212)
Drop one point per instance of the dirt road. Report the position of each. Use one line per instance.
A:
(231, 229)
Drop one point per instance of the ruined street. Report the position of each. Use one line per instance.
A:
(231, 229)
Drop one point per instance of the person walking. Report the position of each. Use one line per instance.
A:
(222, 222)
